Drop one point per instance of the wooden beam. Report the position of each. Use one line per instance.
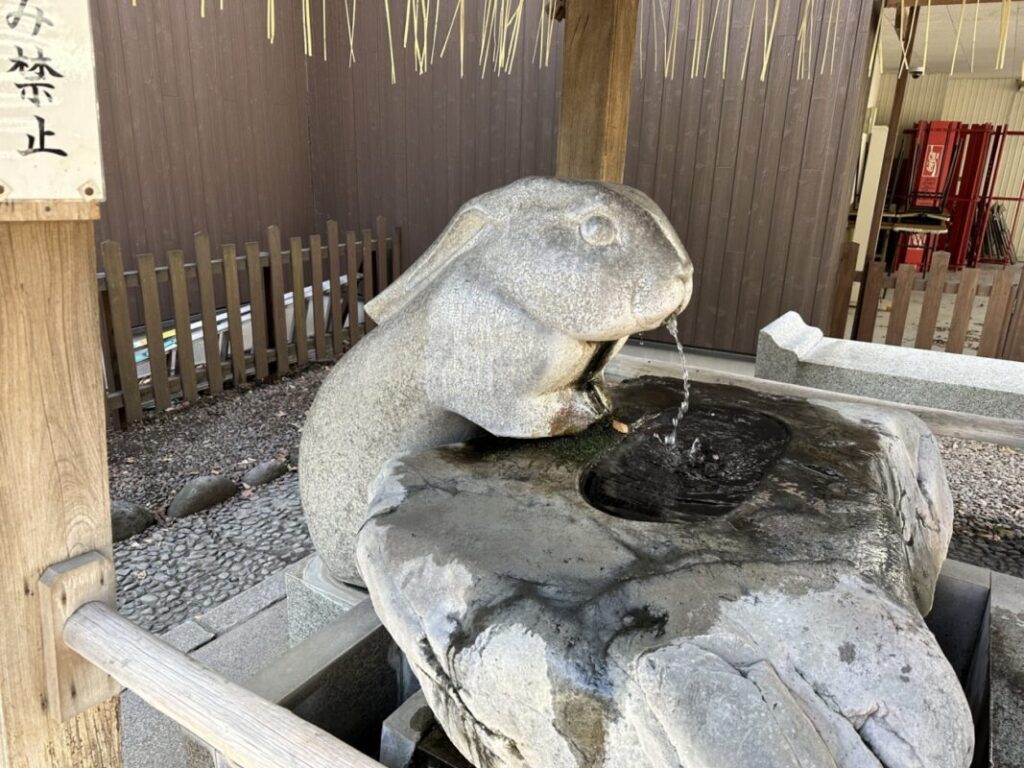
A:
(247, 731)
(597, 74)
(54, 501)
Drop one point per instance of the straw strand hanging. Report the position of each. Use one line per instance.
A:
(750, 37)
(974, 40)
(769, 41)
(709, 25)
(350, 25)
(927, 36)
(1004, 34)
(725, 49)
(959, 30)
(391, 40)
(711, 37)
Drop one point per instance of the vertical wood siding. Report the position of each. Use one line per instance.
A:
(207, 126)
(204, 124)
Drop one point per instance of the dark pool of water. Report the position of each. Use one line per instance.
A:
(720, 456)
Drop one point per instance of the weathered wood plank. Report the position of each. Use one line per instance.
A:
(382, 254)
(237, 723)
(182, 326)
(54, 498)
(316, 270)
(334, 268)
(73, 684)
(233, 298)
(396, 253)
(122, 330)
(154, 331)
(111, 378)
(299, 302)
(208, 312)
(257, 311)
(369, 280)
(932, 301)
(962, 311)
(995, 316)
(900, 305)
(352, 270)
(843, 291)
(277, 312)
(872, 292)
(1013, 349)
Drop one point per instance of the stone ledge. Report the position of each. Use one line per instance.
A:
(789, 350)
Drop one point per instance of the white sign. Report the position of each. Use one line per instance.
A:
(49, 121)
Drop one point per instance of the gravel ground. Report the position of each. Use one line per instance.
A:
(150, 461)
(988, 492)
(171, 572)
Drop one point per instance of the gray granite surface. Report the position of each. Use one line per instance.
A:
(505, 323)
(787, 632)
(791, 351)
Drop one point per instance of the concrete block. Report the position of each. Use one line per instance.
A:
(187, 636)
(238, 655)
(403, 730)
(958, 614)
(244, 606)
(1007, 669)
(791, 351)
(315, 599)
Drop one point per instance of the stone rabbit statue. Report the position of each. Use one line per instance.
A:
(505, 323)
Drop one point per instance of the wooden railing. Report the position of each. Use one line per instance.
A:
(261, 313)
(89, 652)
(1002, 323)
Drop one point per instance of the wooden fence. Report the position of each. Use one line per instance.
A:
(918, 299)
(278, 313)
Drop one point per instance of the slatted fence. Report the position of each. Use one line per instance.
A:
(260, 314)
(918, 300)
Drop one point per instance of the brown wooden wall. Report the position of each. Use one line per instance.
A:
(204, 124)
(214, 129)
(755, 177)
(418, 149)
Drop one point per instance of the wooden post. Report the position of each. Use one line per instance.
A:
(54, 500)
(908, 35)
(597, 74)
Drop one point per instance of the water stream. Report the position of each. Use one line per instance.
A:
(669, 439)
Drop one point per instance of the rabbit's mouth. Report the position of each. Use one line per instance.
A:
(592, 379)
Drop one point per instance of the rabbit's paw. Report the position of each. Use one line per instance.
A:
(579, 409)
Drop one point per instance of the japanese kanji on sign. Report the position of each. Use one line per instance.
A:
(49, 130)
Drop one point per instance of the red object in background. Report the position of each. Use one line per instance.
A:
(936, 141)
(927, 185)
(970, 202)
(916, 248)
(952, 167)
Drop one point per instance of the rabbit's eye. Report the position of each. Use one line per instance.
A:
(598, 230)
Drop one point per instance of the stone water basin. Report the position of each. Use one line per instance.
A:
(764, 611)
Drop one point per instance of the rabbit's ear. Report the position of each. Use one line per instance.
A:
(457, 237)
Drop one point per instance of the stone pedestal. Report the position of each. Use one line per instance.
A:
(976, 621)
(784, 630)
